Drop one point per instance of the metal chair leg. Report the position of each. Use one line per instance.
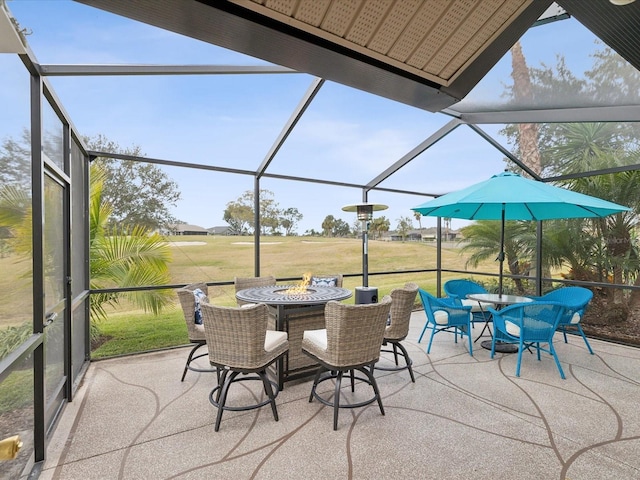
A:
(269, 391)
(336, 400)
(222, 398)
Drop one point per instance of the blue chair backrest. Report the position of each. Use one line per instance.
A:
(537, 320)
(458, 314)
(461, 288)
(575, 299)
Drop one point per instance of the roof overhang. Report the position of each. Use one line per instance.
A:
(428, 54)
(425, 54)
(10, 41)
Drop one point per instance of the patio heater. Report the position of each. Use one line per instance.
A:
(364, 211)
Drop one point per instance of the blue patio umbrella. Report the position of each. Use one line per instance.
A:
(508, 196)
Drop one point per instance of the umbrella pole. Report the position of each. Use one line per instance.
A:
(501, 254)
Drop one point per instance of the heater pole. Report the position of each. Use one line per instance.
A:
(365, 215)
(365, 253)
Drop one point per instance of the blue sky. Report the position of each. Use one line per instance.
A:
(346, 135)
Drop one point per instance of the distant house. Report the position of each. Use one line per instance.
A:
(185, 229)
(430, 235)
(411, 236)
(424, 235)
(223, 230)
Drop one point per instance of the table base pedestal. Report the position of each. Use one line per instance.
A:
(501, 347)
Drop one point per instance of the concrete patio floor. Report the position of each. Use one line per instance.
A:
(464, 418)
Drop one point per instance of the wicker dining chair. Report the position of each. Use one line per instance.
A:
(331, 280)
(239, 343)
(242, 283)
(195, 330)
(350, 342)
(403, 302)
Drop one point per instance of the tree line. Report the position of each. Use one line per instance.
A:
(240, 215)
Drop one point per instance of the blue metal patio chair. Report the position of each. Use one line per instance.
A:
(444, 315)
(528, 325)
(575, 301)
(459, 289)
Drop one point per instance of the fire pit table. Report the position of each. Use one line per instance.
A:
(295, 309)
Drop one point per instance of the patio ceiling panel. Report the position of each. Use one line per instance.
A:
(425, 54)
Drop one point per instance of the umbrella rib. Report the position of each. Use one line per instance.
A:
(592, 212)
(473, 215)
(533, 217)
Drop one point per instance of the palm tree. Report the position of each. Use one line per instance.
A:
(585, 146)
(379, 225)
(124, 257)
(615, 231)
(118, 258)
(418, 217)
(482, 239)
(15, 217)
(447, 228)
(523, 93)
(599, 145)
(573, 244)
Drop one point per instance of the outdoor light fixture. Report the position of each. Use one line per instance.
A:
(365, 215)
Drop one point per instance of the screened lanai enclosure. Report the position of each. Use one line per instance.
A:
(291, 110)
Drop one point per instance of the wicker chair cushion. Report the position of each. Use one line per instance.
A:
(273, 339)
(324, 281)
(442, 317)
(317, 337)
(514, 330)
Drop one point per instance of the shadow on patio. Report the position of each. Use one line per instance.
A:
(464, 418)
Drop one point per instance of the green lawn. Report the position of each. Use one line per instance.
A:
(211, 259)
